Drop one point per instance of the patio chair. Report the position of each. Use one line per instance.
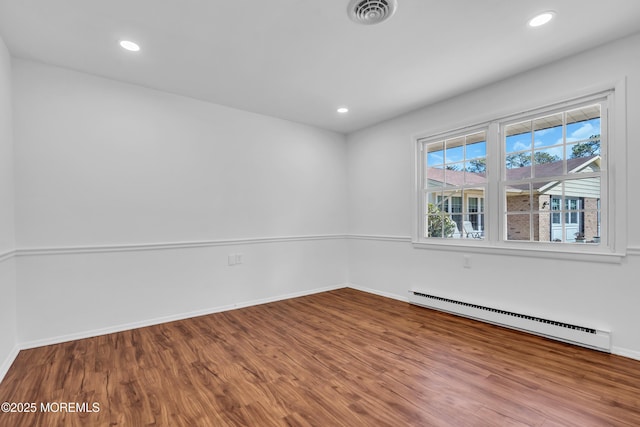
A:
(456, 233)
(469, 231)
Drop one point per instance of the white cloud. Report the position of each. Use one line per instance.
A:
(543, 132)
(522, 145)
(583, 132)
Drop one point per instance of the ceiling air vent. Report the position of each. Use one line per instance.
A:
(369, 12)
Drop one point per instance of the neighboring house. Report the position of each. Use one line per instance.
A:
(581, 201)
(467, 206)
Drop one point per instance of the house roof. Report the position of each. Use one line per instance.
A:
(551, 169)
(454, 177)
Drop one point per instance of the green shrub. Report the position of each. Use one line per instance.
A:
(439, 225)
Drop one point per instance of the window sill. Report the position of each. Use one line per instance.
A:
(564, 251)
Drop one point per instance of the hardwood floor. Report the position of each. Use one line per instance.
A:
(340, 358)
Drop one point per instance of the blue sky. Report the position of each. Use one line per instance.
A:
(475, 150)
(545, 140)
(553, 137)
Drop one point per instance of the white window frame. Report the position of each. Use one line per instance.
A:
(612, 247)
(437, 138)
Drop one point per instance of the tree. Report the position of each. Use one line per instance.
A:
(587, 148)
(439, 225)
(541, 157)
(518, 160)
(477, 166)
(521, 160)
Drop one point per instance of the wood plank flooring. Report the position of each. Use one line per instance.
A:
(339, 358)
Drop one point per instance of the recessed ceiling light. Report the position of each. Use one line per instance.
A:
(129, 45)
(541, 19)
(342, 110)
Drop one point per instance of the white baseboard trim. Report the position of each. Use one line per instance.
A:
(380, 293)
(624, 352)
(164, 319)
(8, 361)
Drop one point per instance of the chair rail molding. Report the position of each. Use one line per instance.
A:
(380, 237)
(171, 245)
(4, 256)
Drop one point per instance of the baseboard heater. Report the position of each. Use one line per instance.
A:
(574, 334)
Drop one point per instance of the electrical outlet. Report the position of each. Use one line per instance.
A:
(234, 259)
(466, 261)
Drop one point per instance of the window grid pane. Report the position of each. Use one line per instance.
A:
(456, 167)
(541, 155)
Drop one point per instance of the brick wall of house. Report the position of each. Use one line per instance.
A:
(590, 218)
(544, 219)
(518, 224)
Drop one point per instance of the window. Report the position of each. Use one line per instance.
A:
(552, 173)
(534, 181)
(454, 184)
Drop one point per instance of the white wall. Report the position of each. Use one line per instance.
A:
(380, 202)
(8, 339)
(172, 186)
(100, 162)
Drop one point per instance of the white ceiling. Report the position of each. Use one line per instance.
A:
(301, 59)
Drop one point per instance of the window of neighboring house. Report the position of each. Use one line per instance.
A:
(476, 209)
(540, 178)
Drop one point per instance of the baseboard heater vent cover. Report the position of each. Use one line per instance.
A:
(574, 334)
